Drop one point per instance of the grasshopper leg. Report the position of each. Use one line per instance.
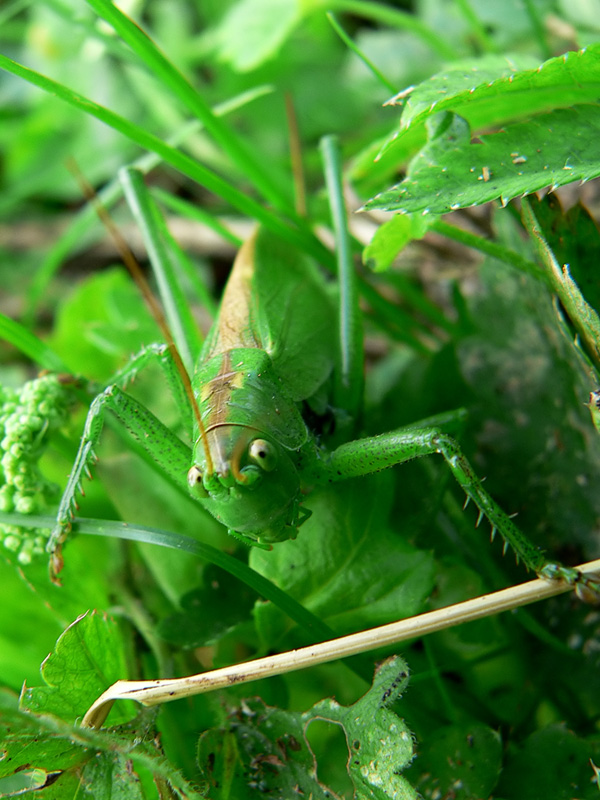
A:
(158, 441)
(373, 454)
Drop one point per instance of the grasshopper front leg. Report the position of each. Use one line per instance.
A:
(157, 440)
(376, 453)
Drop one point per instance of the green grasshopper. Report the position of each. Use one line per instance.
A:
(267, 366)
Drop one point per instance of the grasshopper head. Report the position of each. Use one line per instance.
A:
(253, 488)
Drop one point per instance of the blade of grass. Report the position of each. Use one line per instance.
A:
(486, 43)
(87, 218)
(185, 267)
(179, 317)
(164, 71)
(490, 248)
(351, 45)
(29, 344)
(348, 385)
(394, 18)
(314, 627)
(301, 238)
(187, 209)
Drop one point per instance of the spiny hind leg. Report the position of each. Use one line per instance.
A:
(380, 452)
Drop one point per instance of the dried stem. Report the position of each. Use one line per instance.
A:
(163, 691)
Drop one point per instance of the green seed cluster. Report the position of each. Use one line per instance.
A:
(27, 417)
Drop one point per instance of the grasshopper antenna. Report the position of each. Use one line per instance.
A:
(154, 306)
(296, 155)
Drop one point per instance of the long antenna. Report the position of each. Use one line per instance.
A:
(154, 306)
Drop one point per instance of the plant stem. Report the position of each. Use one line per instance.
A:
(163, 691)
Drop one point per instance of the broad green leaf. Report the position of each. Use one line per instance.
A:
(230, 603)
(461, 761)
(379, 742)
(392, 237)
(453, 172)
(66, 762)
(497, 89)
(346, 566)
(88, 658)
(252, 31)
(264, 751)
(553, 763)
(32, 756)
(102, 322)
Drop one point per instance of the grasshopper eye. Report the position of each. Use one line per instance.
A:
(195, 482)
(263, 453)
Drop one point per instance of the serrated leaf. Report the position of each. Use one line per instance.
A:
(495, 89)
(70, 763)
(451, 172)
(25, 748)
(87, 659)
(264, 751)
(379, 742)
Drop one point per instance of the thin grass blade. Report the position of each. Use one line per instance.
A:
(29, 344)
(301, 238)
(87, 219)
(166, 73)
(154, 232)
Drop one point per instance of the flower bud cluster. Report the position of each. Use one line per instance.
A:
(27, 417)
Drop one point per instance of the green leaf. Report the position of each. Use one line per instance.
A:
(253, 31)
(453, 172)
(392, 237)
(229, 600)
(100, 323)
(67, 762)
(495, 89)
(379, 742)
(458, 761)
(34, 759)
(553, 763)
(346, 566)
(264, 750)
(87, 659)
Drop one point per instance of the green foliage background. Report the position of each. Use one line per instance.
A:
(465, 311)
